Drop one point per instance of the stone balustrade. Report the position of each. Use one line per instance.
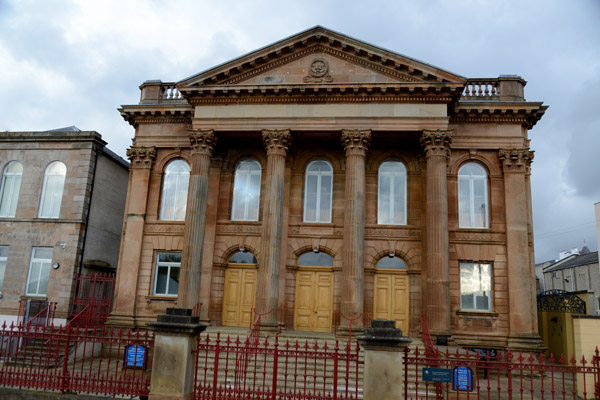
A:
(479, 89)
(169, 91)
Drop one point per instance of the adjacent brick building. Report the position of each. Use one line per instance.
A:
(321, 179)
(62, 200)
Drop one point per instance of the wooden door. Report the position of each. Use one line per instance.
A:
(314, 301)
(238, 299)
(391, 298)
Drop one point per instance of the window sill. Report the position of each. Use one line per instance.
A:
(152, 298)
(471, 313)
(462, 228)
(34, 297)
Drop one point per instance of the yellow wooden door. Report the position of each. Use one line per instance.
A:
(391, 299)
(314, 301)
(238, 299)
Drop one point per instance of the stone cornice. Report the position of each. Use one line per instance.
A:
(524, 113)
(277, 141)
(324, 93)
(436, 143)
(516, 160)
(356, 142)
(145, 114)
(141, 157)
(202, 141)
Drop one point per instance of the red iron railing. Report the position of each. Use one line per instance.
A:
(93, 300)
(34, 313)
(506, 376)
(75, 360)
(276, 370)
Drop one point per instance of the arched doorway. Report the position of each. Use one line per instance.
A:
(390, 290)
(314, 293)
(240, 289)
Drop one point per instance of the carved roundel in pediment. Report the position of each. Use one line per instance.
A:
(318, 71)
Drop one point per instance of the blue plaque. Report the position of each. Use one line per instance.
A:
(135, 356)
(463, 379)
(437, 375)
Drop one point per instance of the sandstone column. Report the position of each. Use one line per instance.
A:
(124, 310)
(356, 143)
(277, 143)
(203, 143)
(437, 308)
(521, 297)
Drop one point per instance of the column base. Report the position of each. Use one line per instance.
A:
(531, 343)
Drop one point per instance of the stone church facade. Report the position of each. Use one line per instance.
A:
(320, 180)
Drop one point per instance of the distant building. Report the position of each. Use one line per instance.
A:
(329, 177)
(62, 199)
(579, 272)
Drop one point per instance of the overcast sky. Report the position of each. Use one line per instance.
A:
(68, 63)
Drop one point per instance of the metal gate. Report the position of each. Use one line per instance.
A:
(93, 300)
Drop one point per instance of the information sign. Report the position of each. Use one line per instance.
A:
(463, 379)
(135, 356)
(437, 375)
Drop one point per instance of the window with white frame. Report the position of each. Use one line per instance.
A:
(52, 190)
(3, 258)
(318, 192)
(39, 271)
(475, 287)
(166, 279)
(391, 207)
(246, 191)
(9, 189)
(472, 196)
(174, 191)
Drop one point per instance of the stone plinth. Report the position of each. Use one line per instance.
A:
(173, 363)
(383, 347)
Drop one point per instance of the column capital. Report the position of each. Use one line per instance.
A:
(356, 141)
(437, 143)
(140, 156)
(203, 141)
(516, 160)
(277, 141)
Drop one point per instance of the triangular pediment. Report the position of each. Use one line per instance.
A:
(320, 56)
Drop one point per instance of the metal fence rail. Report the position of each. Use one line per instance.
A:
(74, 360)
(276, 370)
(506, 376)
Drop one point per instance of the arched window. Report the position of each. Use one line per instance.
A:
(472, 196)
(9, 189)
(391, 208)
(174, 191)
(318, 192)
(52, 191)
(246, 191)
(391, 262)
(317, 259)
(243, 257)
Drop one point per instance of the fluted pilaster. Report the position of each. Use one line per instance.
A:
(277, 143)
(140, 159)
(203, 143)
(356, 144)
(522, 302)
(437, 309)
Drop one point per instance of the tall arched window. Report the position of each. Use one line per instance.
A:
(9, 190)
(318, 192)
(174, 191)
(52, 191)
(472, 196)
(246, 191)
(391, 208)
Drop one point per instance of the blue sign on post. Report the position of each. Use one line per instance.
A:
(463, 379)
(135, 356)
